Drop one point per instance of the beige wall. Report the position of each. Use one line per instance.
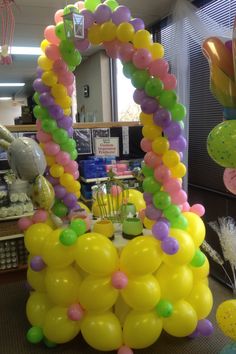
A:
(94, 72)
(9, 111)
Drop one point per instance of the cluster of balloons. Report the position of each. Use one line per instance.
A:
(221, 142)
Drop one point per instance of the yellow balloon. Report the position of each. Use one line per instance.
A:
(44, 45)
(160, 145)
(226, 318)
(97, 294)
(59, 91)
(94, 34)
(58, 328)
(141, 256)
(178, 171)
(141, 329)
(35, 237)
(83, 206)
(171, 158)
(56, 170)
(201, 300)
(74, 187)
(142, 39)
(201, 272)
(186, 248)
(55, 254)
(125, 32)
(36, 279)
(135, 197)
(196, 228)
(50, 160)
(43, 193)
(121, 310)
(49, 78)
(67, 111)
(45, 63)
(175, 282)
(142, 293)
(157, 51)
(37, 306)
(102, 331)
(151, 132)
(64, 102)
(96, 254)
(146, 119)
(66, 179)
(62, 285)
(148, 224)
(108, 31)
(183, 320)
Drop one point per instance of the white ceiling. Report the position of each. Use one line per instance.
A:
(32, 16)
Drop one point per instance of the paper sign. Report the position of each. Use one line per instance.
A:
(107, 146)
(125, 138)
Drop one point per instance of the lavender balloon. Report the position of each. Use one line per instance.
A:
(121, 14)
(170, 245)
(82, 45)
(165, 221)
(179, 144)
(53, 180)
(60, 192)
(194, 335)
(65, 123)
(39, 86)
(149, 105)
(162, 118)
(46, 99)
(153, 213)
(39, 72)
(56, 112)
(205, 327)
(173, 130)
(70, 132)
(139, 96)
(70, 200)
(102, 13)
(88, 18)
(147, 197)
(160, 230)
(37, 264)
(137, 23)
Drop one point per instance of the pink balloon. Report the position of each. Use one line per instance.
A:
(40, 216)
(142, 58)
(63, 158)
(146, 145)
(71, 167)
(142, 214)
(70, 90)
(126, 52)
(112, 48)
(43, 137)
(80, 5)
(115, 190)
(152, 160)
(161, 173)
(52, 52)
(75, 175)
(198, 209)
(119, 280)
(159, 68)
(50, 35)
(82, 45)
(170, 82)
(58, 16)
(24, 223)
(60, 66)
(125, 350)
(172, 186)
(75, 312)
(179, 197)
(51, 148)
(38, 124)
(66, 78)
(229, 179)
(185, 207)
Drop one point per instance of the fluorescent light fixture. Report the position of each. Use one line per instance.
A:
(5, 98)
(12, 84)
(26, 51)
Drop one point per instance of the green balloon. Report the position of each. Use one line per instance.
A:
(41, 113)
(139, 79)
(147, 171)
(60, 31)
(180, 222)
(78, 226)
(91, 4)
(48, 343)
(154, 87)
(69, 145)
(113, 4)
(128, 69)
(71, 68)
(221, 144)
(36, 98)
(168, 99)
(161, 200)
(49, 125)
(74, 154)
(198, 259)
(150, 185)
(172, 212)
(164, 308)
(70, 8)
(178, 112)
(68, 237)
(60, 210)
(67, 49)
(60, 136)
(34, 335)
(75, 59)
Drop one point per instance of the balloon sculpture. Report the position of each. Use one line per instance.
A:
(80, 282)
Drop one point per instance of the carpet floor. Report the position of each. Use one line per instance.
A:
(13, 327)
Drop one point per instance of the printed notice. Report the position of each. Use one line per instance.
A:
(107, 146)
(125, 138)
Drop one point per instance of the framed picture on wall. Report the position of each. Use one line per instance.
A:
(83, 141)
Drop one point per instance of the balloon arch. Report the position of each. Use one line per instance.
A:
(118, 300)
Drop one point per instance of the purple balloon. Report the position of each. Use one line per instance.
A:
(139, 95)
(194, 335)
(102, 13)
(205, 327)
(39, 86)
(60, 191)
(162, 118)
(121, 14)
(179, 144)
(46, 99)
(88, 18)
(37, 264)
(149, 105)
(39, 72)
(160, 230)
(170, 245)
(70, 200)
(173, 130)
(56, 112)
(165, 221)
(70, 132)
(137, 23)
(53, 180)
(82, 45)
(153, 213)
(147, 197)
(65, 123)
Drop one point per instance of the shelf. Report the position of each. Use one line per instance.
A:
(103, 179)
(20, 268)
(11, 237)
(15, 217)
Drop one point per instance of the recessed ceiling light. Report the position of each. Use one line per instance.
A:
(12, 84)
(26, 51)
(5, 98)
